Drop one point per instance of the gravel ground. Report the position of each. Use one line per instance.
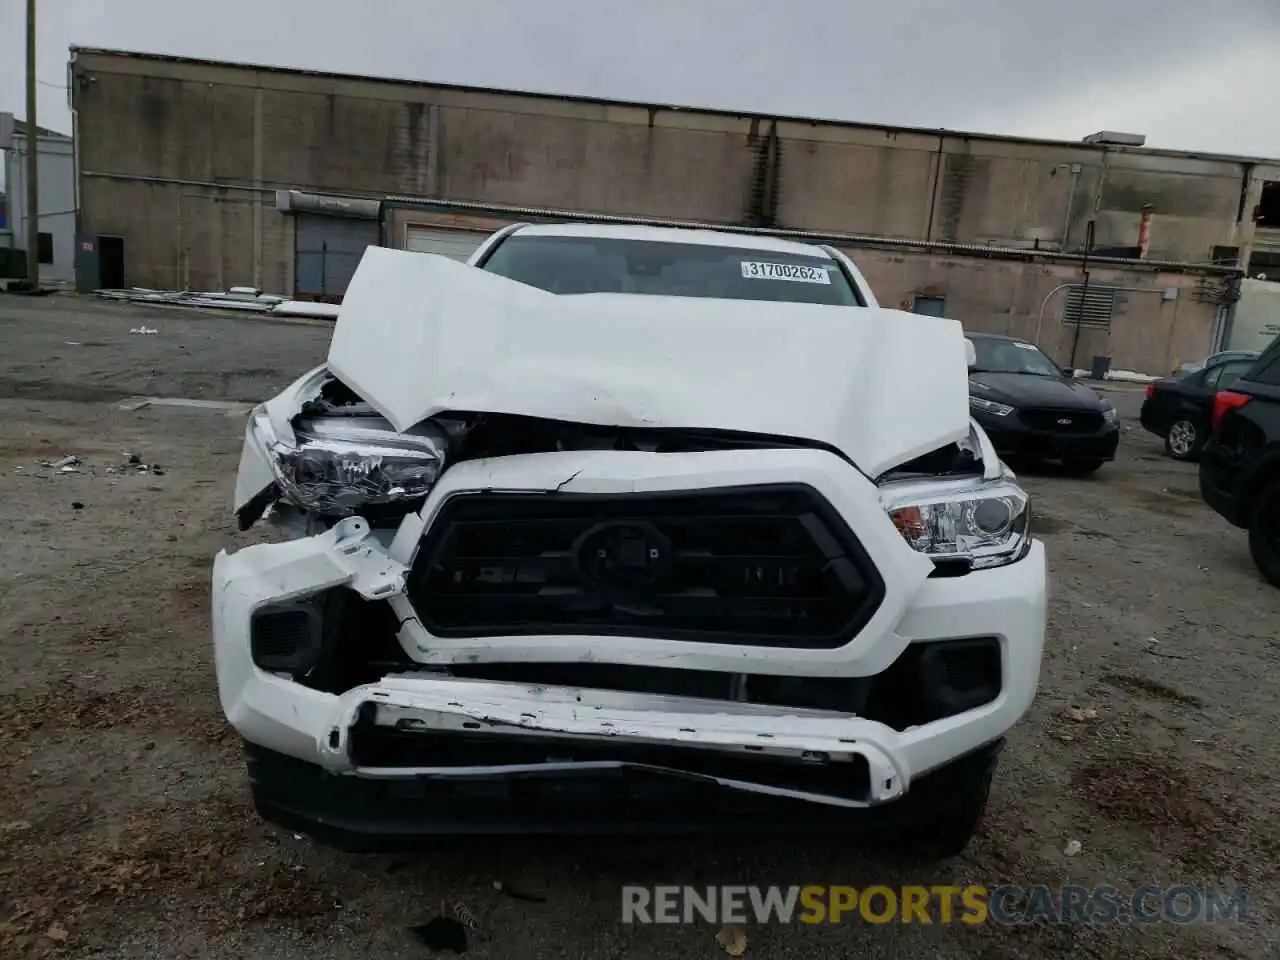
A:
(124, 824)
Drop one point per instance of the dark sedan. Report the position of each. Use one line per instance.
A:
(1033, 411)
(1180, 409)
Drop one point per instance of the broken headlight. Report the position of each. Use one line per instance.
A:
(987, 525)
(338, 468)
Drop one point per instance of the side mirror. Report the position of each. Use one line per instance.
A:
(1069, 373)
(970, 354)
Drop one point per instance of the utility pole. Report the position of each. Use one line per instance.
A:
(33, 155)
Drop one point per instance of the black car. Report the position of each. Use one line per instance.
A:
(1179, 409)
(1034, 411)
(1240, 465)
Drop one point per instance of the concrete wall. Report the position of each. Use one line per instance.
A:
(57, 186)
(975, 190)
(1147, 333)
(182, 158)
(208, 123)
(172, 153)
(1022, 298)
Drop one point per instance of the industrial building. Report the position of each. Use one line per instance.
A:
(203, 175)
(56, 182)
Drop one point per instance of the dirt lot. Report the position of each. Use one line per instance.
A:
(124, 826)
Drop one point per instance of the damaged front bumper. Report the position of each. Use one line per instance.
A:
(422, 750)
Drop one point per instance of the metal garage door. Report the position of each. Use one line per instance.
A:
(454, 244)
(326, 252)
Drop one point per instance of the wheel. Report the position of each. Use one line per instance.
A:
(947, 834)
(1080, 468)
(941, 814)
(1184, 441)
(1264, 534)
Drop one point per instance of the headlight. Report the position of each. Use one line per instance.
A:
(990, 406)
(338, 468)
(988, 525)
(1109, 412)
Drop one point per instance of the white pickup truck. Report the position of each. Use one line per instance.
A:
(627, 528)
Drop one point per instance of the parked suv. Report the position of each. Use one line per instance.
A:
(1240, 466)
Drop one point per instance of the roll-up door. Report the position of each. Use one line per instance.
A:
(454, 244)
(326, 252)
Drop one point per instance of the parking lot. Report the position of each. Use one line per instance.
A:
(125, 829)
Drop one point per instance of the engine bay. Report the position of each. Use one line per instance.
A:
(334, 409)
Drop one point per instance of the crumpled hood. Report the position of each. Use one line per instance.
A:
(419, 335)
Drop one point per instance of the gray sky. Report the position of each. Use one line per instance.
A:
(1190, 74)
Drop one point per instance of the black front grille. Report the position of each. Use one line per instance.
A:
(1061, 421)
(772, 566)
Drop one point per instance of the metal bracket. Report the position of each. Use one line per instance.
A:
(374, 574)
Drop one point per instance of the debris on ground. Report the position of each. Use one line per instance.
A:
(77, 505)
(135, 462)
(518, 893)
(63, 464)
(1073, 848)
(240, 299)
(465, 916)
(733, 939)
(145, 331)
(1080, 714)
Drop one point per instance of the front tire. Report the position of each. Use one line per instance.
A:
(949, 835)
(942, 813)
(1264, 534)
(1185, 440)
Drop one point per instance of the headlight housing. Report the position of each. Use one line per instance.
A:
(987, 525)
(990, 406)
(1109, 412)
(338, 468)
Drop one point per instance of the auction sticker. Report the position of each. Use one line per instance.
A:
(795, 272)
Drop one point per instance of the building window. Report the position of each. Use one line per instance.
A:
(44, 247)
(930, 306)
(1225, 256)
(1267, 213)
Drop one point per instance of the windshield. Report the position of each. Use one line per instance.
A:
(1011, 356)
(569, 265)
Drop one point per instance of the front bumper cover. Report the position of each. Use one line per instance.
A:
(282, 718)
(1013, 439)
(369, 814)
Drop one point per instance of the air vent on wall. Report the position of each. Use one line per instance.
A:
(1092, 309)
